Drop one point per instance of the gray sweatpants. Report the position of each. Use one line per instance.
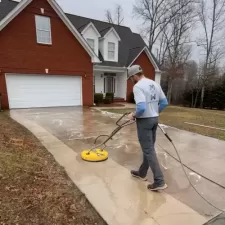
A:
(146, 129)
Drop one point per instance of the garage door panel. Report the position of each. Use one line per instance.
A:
(31, 104)
(28, 91)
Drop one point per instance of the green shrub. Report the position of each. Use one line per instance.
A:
(98, 98)
(110, 96)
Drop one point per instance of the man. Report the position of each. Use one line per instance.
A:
(150, 101)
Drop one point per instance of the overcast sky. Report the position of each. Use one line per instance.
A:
(96, 10)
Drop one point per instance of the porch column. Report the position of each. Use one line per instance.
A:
(99, 82)
(158, 77)
(121, 79)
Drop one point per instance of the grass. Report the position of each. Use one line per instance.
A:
(34, 189)
(177, 116)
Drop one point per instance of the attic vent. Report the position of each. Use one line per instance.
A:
(42, 10)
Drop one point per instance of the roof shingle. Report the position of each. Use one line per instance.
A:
(129, 47)
(6, 6)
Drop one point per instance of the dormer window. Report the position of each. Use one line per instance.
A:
(91, 35)
(111, 50)
(91, 42)
(109, 44)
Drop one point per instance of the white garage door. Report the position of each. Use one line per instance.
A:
(29, 91)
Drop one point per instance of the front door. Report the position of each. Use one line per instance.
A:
(109, 84)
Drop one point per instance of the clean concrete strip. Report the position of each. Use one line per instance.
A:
(118, 198)
(200, 125)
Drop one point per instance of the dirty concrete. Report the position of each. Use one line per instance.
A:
(219, 220)
(78, 127)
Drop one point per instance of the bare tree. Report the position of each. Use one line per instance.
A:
(156, 15)
(177, 38)
(118, 17)
(108, 16)
(163, 46)
(192, 80)
(212, 18)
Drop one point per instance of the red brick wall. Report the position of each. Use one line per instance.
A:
(20, 53)
(148, 68)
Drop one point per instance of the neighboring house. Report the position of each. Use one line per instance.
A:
(49, 58)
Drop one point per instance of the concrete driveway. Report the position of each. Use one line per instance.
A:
(119, 198)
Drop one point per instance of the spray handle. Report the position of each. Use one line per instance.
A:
(117, 123)
(164, 132)
(125, 123)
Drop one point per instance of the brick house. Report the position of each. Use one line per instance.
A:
(50, 58)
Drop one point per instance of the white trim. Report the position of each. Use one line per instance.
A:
(74, 31)
(115, 85)
(110, 69)
(23, 4)
(91, 39)
(112, 51)
(158, 77)
(112, 30)
(36, 16)
(150, 58)
(93, 26)
(44, 76)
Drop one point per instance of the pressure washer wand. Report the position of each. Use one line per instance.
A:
(117, 129)
(164, 132)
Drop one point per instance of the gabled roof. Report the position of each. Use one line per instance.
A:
(6, 7)
(131, 44)
(104, 31)
(146, 50)
(129, 40)
(23, 4)
(84, 28)
(108, 31)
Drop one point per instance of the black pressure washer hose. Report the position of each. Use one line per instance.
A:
(180, 161)
(120, 126)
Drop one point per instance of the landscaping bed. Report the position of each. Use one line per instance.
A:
(34, 189)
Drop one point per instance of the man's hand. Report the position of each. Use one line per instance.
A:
(131, 116)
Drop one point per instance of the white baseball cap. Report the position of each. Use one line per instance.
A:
(133, 70)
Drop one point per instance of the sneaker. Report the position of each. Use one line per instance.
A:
(136, 174)
(155, 187)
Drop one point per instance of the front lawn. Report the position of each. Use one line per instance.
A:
(177, 116)
(34, 189)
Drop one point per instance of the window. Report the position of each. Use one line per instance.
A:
(111, 51)
(91, 42)
(43, 30)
